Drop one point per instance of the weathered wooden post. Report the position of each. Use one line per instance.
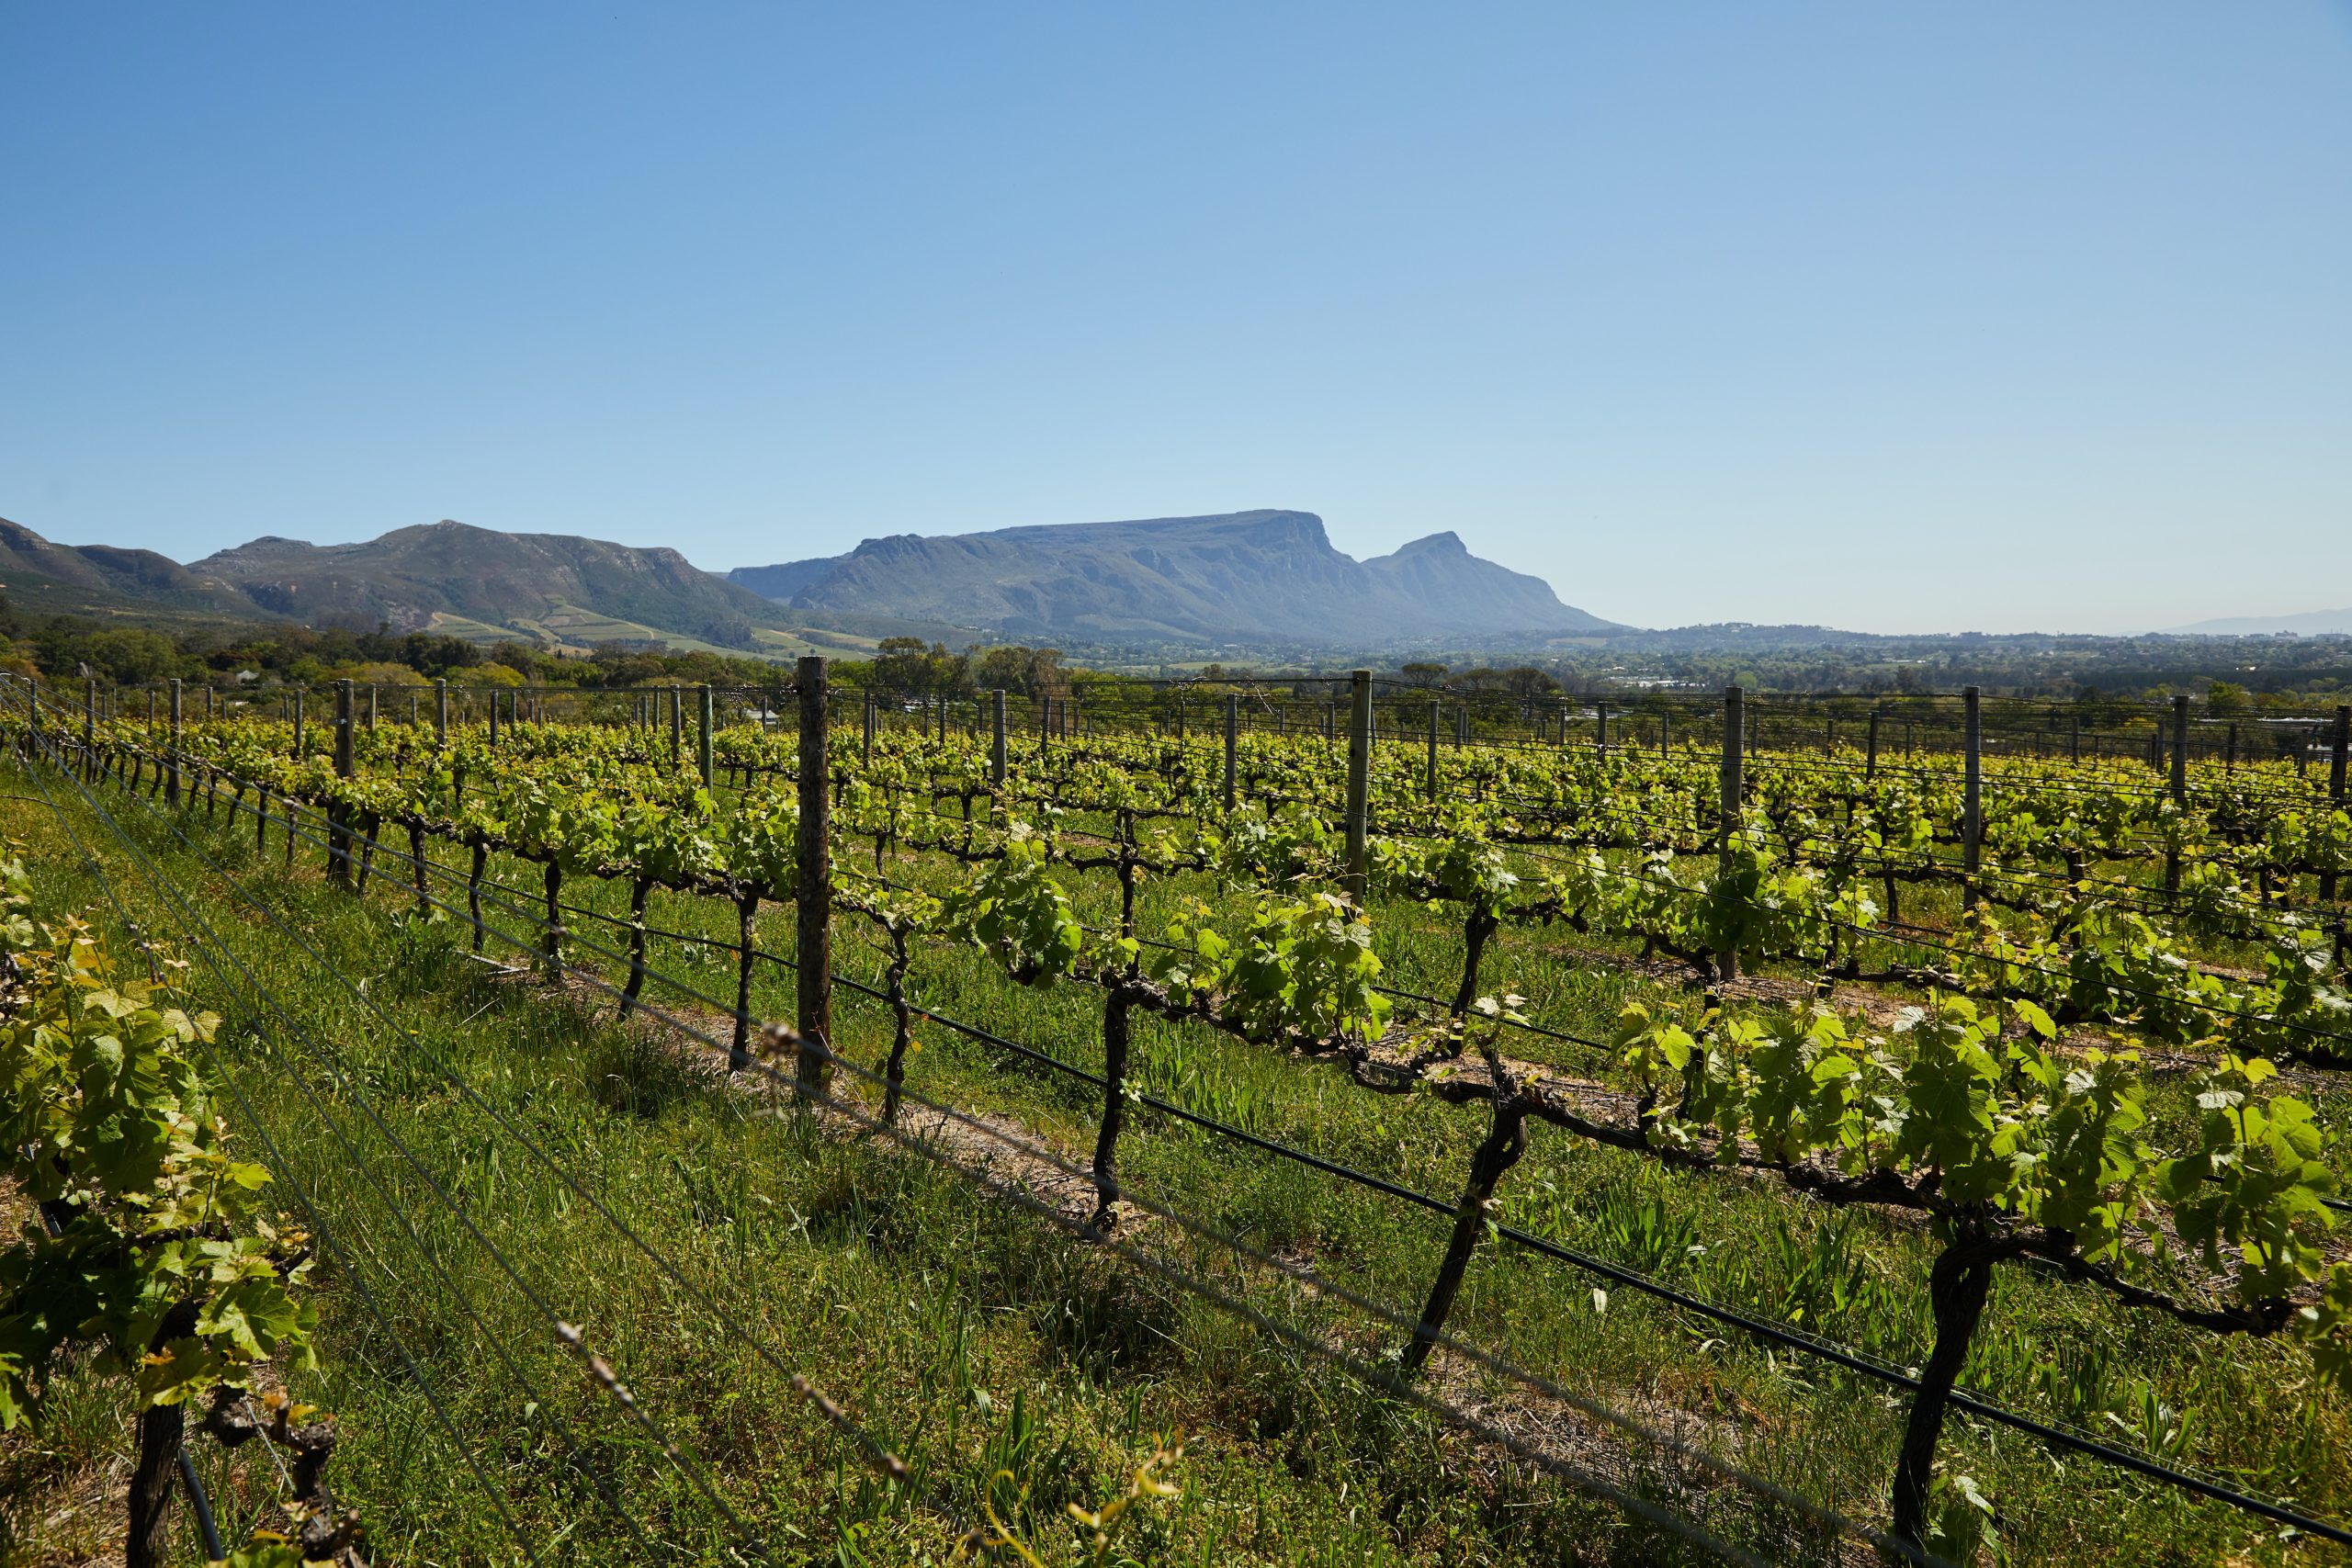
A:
(1730, 789)
(996, 743)
(2179, 782)
(1600, 730)
(677, 727)
(704, 715)
(1431, 788)
(2335, 782)
(1359, 779)
(813, 900)
(1232, 746)
(339, 820)
(1972, 800)
(171, 762)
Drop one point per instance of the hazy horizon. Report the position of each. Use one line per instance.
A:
(1905, 321)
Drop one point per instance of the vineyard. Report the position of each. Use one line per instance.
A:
(1325, 1121)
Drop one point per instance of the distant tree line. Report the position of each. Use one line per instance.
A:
(2230, 676)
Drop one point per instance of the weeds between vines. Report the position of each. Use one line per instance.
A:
(1207, 1062)
(965, 1338)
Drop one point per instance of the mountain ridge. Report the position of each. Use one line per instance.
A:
(1264, 579)
(1261, 576)
(412, 576)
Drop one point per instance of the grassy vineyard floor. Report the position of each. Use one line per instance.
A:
(973, 1338)
(968, 1338)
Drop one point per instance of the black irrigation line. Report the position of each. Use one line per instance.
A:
(2202, 789)
(1920, 776)
(1385, 1381)
(1886, 936)
(1824, 920)
(1771, 1333)
(693, 1473)
(1396, 1387)
(1532, 853)
(1853, 1362)
(633, 1409)
(1620, 816)
(325, 1232)
(1531, 1379)
(1843, 1355)
(195, 921)
(1521, 1024)
(2275, 916)
(873, 1449)
(207, 942)
(1374, 1375)
(2275, 913)
(2208, 773)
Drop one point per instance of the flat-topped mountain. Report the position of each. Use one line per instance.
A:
(1265, 577)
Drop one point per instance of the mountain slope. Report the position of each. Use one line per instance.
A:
(45, 577)
(411, 575)
(1454, 590)
(1252, 576)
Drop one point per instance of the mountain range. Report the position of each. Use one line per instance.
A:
(450, 576)
(443, 576)
(1247, 578)
(1266, 579)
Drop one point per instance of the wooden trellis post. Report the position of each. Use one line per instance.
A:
(813, 899)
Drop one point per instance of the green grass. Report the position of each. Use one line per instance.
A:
(970, 1336)
(966, 1336)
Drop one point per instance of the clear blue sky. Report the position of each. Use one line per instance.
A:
(1902, 317)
